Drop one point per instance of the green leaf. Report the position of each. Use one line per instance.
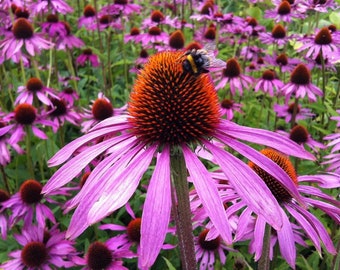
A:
(255, 12)
(334, 17)
(169, 264)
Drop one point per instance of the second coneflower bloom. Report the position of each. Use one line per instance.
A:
(169, 111)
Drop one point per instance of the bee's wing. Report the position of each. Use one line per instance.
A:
(210, 47)
(217, 63)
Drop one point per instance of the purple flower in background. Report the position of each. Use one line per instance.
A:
(68, 41)
(300, 85)
(286, 111)
(298, 220)
(283, 12)
(277, 36)
(29, 201)
(122, 7)
(26, 116)
(23, 36)
(4, 196)
(89, 18)
(41, 249)
(322, 44)
(88, 56)
(268, 83)
(56, 6)
(154, 35)
(233, 75)
(35, 88)
(228, 107)
(53, 27)
(108, 255)
(169, 112)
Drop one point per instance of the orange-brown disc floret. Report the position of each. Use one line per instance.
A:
(169, 106)
(279, 192)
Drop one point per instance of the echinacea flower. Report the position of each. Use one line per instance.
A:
(232, 74)
(277, 36)
(108, 255)
(23, 35)
(154, 35)
(69, 94)
(321, 44)
(88, 56)
(297, 218)
(131, 232)
(300, 85)
(283, 13)
(53, 27)
(41, 249)
(26, 116)
(68, 41)
(207, 250)
(169, 111)
(27, 202)
(228, 107)
(55, 6)
(60, 112)
(300, 135)
(268, 82)
(286, 111)
(89, 18)
(100, 109)
(4, 196)
(35, 88)
(122, 7)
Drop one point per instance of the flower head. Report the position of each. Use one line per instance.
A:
(23, 35)
(300, 84)
(268, 83)
(41, 249)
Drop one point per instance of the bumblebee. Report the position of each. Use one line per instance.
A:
(200, 61)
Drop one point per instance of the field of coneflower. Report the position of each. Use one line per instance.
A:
(178, 134)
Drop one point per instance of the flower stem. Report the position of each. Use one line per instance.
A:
(28, 153)
(182, 213)
(295, 111)
(264, 262)
(4, 176)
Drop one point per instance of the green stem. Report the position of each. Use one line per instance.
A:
(264, 262)
(295, 111)
(23, 74)
(28, 153)
(182, 212)
(4, 177)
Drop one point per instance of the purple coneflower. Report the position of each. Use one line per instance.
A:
(154, 35)
(42, 249)
(284, 13)
(268, 82)
(68, 41)
(300, 85)
(60, 112)
(228, 107)
(69, 94)
(170, 111)
(322, 44)
(4, 196)
(100, 110)
(286, 111)
(132, 234)
(207, 250)
(53, 27)
(26, 116)
(300, 135)
(318, 5)
(285, 63)
(134, 35)
(5, 143)
(277, 36)
(89, 18)
(23, 35)
(233, 75)
(27, 201)
(121, 7)
(206, 12)
(35, 88)
(55, 6)
(88, 55)
(108, 255)
(304, 220)
(334, 144)
(157, 18)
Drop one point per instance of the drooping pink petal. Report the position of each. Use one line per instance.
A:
(248, 185)
(156, 211)
(265, 163)
(265, 137)
(207, 191)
